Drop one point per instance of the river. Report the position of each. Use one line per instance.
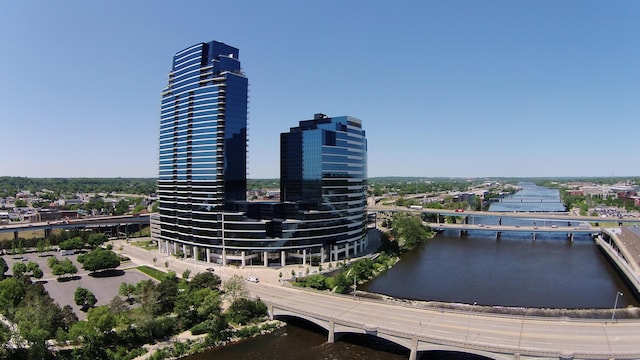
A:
(515, 270)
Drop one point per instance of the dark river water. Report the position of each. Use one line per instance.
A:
(516, 270)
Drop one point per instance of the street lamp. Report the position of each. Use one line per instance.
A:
(615, 304)
(354, 286)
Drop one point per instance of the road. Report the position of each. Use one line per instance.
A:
(470, 328)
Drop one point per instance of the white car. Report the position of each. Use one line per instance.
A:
(253, 279)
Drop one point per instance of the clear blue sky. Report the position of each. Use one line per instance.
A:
(443, 88)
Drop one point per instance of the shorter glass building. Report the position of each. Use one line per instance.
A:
(322, 212)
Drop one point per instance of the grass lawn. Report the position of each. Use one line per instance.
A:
(154, 273)
(146, 244)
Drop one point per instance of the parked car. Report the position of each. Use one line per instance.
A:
(253, 279)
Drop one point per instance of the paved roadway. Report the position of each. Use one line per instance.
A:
(498, 333)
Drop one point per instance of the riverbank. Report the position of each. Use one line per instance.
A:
(631, 312)
(186, 344)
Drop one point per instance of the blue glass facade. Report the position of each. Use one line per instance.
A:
(323, 169)
(203, 211)
(203, 136)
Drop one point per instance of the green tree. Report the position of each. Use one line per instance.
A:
(12, 291)
(20, 203)
(408, 231)
(235, 288)
(186, 274)
(167, 292)
(19, 269)
(75, 243)
(84, 298)
(95, 240)
(205, 280)
(101, 318)
(121, 208)
(3, 266)
(245, 311)
(99, 259)
(126, 290)
(63, 267)
(38, 319)
(40, 246)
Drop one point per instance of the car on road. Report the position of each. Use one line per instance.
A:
(210, 269)
(253, 279)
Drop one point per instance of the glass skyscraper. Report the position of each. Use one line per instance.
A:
(203, 212)
(323, 169)
(203, 137)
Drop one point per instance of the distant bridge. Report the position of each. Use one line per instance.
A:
(533, 230)
(92, 222)
(504, 214)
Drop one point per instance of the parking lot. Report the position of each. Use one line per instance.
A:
(104, 288)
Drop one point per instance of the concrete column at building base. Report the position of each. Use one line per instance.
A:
(283, 258)
(304, 256)
(208, 251)
(184, 251)
(194, 249)
(322, 254)
(244, 261)
(266, 259)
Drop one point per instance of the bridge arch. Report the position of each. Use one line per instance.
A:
(337, 329)
(477, 354)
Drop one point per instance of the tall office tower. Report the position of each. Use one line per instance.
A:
(323, 169)
(203, 151)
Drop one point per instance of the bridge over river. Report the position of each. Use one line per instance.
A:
(494, 336)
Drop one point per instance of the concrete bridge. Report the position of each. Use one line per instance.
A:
(533, 230)
(116, 222)
(494, 336)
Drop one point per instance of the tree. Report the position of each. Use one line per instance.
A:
(205, 280)
(122, 207)
(40, 246)
(101, 318)
(75, 243)
(20, 203)
(409, 231)
(3, 266)
(61, 267)
(84, 298)
(235, 288)
(95, 240)
(19, 269)
(186, 274)
(126, 290)
(244, 311)
(99, 259)
(38, 319)
(168, 290)
(12, 291)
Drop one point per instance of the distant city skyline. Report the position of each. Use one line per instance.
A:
(444, 89)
